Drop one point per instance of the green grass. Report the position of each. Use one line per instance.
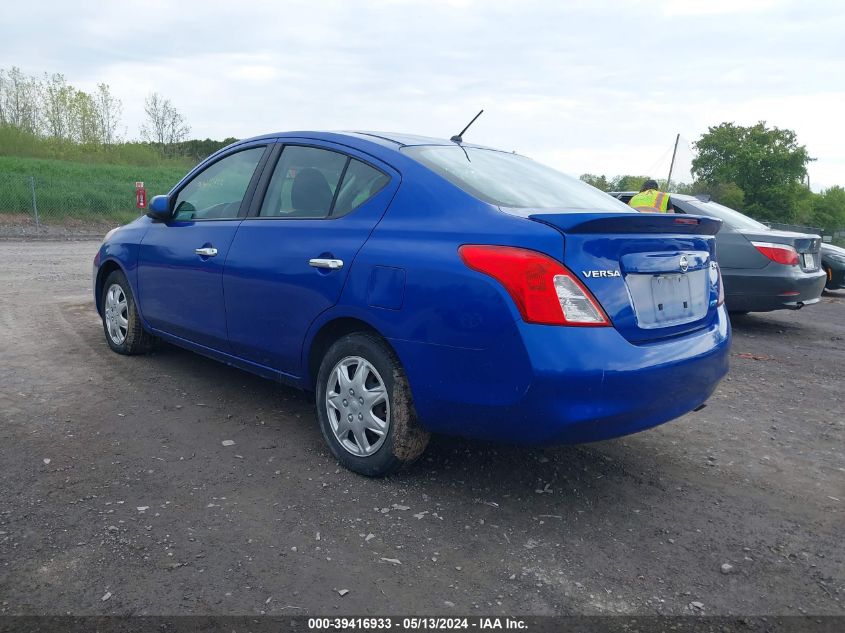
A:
(80, 190)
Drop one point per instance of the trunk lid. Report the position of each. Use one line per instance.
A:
(654, 274)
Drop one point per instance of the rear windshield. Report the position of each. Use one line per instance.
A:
(731, 217)
(510, 180)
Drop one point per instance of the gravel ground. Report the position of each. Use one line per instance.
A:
(120, 497)
(22, 227)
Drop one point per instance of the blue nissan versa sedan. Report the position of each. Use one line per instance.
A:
(420, 285)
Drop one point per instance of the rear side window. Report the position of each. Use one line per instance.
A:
(731, 217)
(360, 183)
(315, 183)
(510, 180)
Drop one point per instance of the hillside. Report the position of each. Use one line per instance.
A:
(81, 190)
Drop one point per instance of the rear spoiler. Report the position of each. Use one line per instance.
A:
(666, 223)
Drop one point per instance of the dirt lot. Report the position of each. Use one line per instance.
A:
(119, 497)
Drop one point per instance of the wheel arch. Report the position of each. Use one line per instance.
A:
(105, 269)
(325, 336)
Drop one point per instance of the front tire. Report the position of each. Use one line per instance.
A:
(121, 321)
(365, 408)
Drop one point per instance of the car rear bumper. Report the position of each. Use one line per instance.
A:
(567, 384)
(771, 289)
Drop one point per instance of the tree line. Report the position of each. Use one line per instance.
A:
(50, 109)
(759, 170)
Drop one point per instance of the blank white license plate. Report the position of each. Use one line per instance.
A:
(669, 299)
(809, 260)
(672, 296)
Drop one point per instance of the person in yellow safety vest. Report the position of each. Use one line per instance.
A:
(651, 200)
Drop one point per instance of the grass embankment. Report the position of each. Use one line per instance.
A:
(80, 190)
(79, 183)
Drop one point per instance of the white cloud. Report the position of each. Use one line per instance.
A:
(716, 7)
(572, 83)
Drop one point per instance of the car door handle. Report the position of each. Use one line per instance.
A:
(206, 251)
(331, 264)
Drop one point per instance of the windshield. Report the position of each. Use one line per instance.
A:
(510, 180)
(732, 218)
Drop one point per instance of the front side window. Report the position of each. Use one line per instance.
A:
(309, 182)
(511, 180)
(216, 193)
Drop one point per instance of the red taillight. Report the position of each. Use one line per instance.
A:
(780, 253)
(542, 288)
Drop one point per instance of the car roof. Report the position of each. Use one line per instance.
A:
(403, 140)
(391, 140)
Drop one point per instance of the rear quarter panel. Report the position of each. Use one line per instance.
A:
(454, 329)
(734, 251)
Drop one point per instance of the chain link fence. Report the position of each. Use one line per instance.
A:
(33, 206)
(827, 236)
(797, 228)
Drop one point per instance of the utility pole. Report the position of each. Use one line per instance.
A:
(672, 164)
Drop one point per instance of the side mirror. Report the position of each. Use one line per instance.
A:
(160, 208)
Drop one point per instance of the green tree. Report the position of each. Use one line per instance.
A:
(728, 194)
(107, 111)
(82, 116)
(199, 149)
(828, 209)
(55, 99)
(165, 125)
(766, 164)
(18, 100)
(617, 183)
(627, 183)
(599, 182)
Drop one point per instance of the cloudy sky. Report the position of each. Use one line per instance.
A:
(595, 86)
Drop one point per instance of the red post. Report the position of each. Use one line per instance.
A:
(140, 196)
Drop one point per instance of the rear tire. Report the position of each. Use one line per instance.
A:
(121, 321)
(365, 408)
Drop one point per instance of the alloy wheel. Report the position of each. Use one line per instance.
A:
(116, 314)
(357, 406)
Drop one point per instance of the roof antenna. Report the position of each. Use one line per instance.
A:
(459, 138)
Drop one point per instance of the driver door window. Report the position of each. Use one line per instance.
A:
(217, 192)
